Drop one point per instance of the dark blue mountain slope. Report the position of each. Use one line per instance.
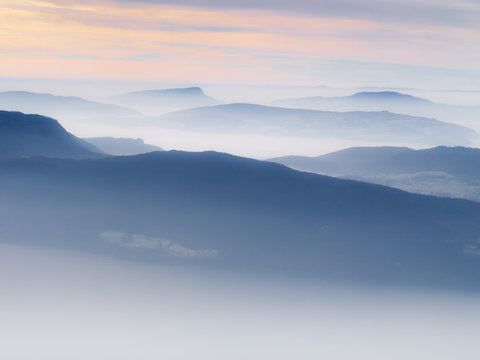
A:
(240, 213)
(34, 135)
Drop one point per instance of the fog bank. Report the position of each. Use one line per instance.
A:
(65, 305)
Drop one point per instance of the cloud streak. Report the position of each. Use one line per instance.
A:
(430, 12)
(238, 42)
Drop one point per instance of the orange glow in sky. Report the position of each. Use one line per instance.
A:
(107, 40)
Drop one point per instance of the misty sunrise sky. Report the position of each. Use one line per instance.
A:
(430, 43)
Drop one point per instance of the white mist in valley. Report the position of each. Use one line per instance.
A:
(253, 145)
(64, 305)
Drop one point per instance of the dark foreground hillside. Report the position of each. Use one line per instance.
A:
(233, 212)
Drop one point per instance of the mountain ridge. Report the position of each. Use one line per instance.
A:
(253, 214)
(355, 125)
(61, 107)
(35, 135)
(158, 101)
(365, 95)
(390, 101)
(442, 170)
(122, 146)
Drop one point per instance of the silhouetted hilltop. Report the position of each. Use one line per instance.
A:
(447, 171)
(35, 135)
(60, 107)
(240, 213)
(354, 160)
(366, 126)
(459, 161)
(387, 96)
(388, 101)
(191, 91)
(122, 146)
(378, 99)
(160, 101)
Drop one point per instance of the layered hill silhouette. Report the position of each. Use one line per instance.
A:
(60, 107)
(445, 171)
(156, 102)
(34, 135)
(372, 100)
(240, 213)
(122, 146)
(387, 101)
(358, 125)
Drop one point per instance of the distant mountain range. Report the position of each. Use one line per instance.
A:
(60, 107)
(361, 126)
(122, 146)
(34, 135)
(374, 100)
(358, 125)
(226, 211)
(444, 171)
(388, 101)
(155, 102)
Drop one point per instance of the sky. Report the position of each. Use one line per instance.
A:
(429, 44)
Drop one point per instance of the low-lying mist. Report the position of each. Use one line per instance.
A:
(249, 145)
(65, 305)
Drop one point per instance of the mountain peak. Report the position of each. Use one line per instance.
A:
(160, 101)
(189, 91)
(122, 146)
(386, 95)
(194, 89)
(61, 107)
(36, 135)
